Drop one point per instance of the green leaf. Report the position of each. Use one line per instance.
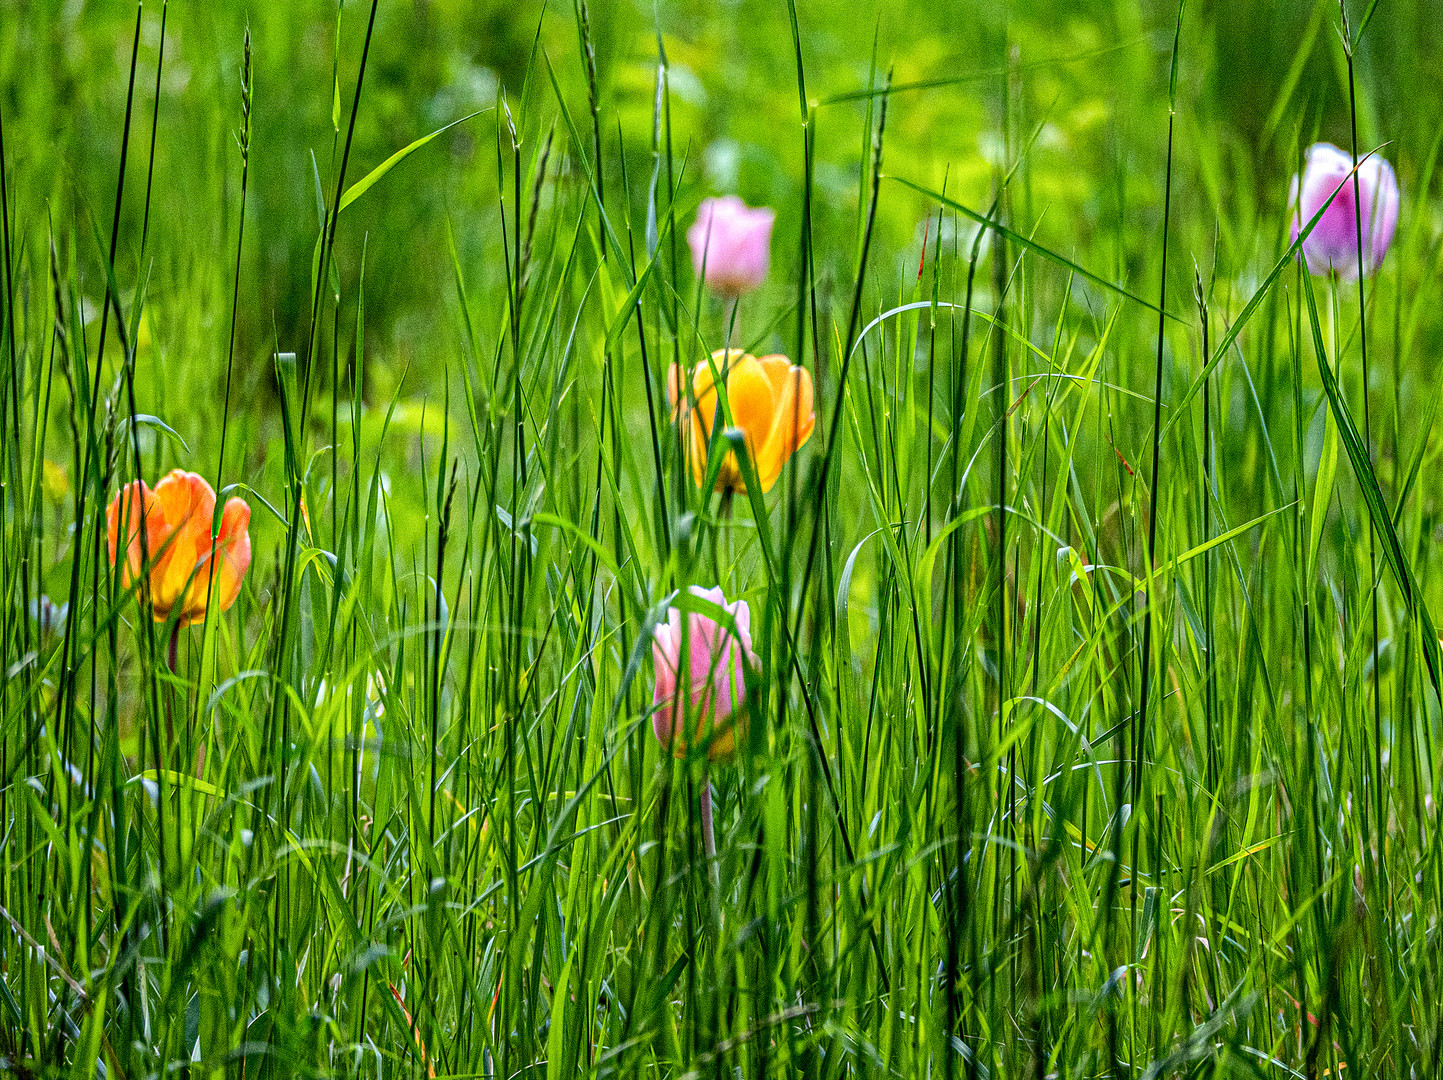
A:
(180, 780)
(336, 76)
(363, 185)
(1030, 245)
(1176, 43)
(1373, 498)
(1231, 534)
(1367, 18)
(1180, 406)
(146, 420)
(1322, 492)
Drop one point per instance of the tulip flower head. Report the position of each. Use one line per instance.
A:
(769, 399)
(731, 245)
(177, 517)
(1332, 246)
(706, 687)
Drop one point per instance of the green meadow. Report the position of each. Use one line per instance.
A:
(1084, 717)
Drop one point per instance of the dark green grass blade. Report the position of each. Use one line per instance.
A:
(1028, 243)
(1373, 498)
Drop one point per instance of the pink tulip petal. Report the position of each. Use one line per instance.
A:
(710, 664)
(731, 244)
(1332, 246)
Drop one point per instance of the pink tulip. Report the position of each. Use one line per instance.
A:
(1332, 246)
(714, 687)
(734, 242)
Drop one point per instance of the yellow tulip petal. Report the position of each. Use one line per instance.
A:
(768, 399)
(695, 438)
(674, 392)
(753, 405)
(793, 421)
(690, 433)
(703, 385)
(776, 368)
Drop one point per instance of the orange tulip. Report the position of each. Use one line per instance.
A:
(770, 401)
(177, 516)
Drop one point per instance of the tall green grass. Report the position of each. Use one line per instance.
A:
(1094, 730)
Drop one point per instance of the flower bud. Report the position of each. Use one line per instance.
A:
(1332, 246)
(731, 245)
(706, 686)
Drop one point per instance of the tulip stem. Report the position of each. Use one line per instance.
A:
(171, 652)
(708, 833)
(171, 661)
(724, 513)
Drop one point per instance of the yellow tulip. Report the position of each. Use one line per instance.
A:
(769, 399)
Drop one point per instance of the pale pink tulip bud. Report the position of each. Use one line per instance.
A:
(731, 244)
(709, 688)
(1332, 246)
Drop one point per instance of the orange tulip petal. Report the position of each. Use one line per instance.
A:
(171, 581)
(179, 493)
(136, 502)
(189, 502)
(178, 515)
(234, 548)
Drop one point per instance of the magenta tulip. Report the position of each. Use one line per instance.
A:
(1332, 246)
(712, 685)
(731, 244)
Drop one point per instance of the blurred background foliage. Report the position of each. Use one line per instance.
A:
(1084, 87)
